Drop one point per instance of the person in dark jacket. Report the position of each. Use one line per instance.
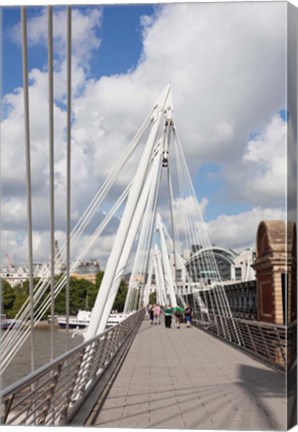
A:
(188, 315)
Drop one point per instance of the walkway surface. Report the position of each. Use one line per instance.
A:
(186, 378)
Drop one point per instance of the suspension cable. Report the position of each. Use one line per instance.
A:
(68, 171)
(42, 286)
(51, 170)
(12, 348)
(28, 175)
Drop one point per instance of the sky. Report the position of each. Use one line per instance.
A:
(226, 63)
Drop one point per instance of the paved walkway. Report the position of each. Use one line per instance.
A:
(188, 379)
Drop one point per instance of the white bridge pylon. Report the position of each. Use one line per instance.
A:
(138, 225)
(133, 212)
(140, 221)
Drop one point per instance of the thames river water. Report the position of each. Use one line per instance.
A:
(21, 363)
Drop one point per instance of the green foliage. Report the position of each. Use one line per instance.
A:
(152, 298)
(7, 298)
(82, 296)
(120, 297)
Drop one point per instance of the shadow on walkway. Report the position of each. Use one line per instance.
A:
(263, 385)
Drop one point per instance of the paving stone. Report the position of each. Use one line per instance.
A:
(190, 379)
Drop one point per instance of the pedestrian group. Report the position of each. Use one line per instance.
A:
(180, 315)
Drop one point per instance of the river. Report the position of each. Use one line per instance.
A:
(21, 363)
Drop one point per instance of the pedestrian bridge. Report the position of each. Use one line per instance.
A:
(135, 374)
(187, 379)
(159, 378)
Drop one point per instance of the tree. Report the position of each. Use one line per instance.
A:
(82, 295)
(152, 298)
(120, 297)
(8, 298)
(98, 278)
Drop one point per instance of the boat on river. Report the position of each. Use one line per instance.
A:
(8, 324)
(82, 319)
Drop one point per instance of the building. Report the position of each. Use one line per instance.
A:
(87, 270)
(232, 266)
(18, 275)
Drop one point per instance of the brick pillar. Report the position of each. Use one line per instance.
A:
(270, 267)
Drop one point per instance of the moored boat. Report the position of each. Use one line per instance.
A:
(8, 324)
(82, 319)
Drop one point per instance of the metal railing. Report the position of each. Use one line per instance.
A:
(272, 343)
(51, 395)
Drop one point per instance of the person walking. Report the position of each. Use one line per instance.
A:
(178, 312)
(151, 314)
(168, 316)
(188, 315)
(156, 313)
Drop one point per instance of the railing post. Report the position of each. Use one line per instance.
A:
(52, 392)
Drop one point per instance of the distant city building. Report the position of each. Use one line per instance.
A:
(241, 269)
(87, 270)
(232, 266)
(17, 275)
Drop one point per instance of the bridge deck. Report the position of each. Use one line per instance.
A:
(188, 379)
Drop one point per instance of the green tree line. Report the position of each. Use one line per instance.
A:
(82, 296)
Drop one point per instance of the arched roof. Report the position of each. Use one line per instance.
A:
(227, 254)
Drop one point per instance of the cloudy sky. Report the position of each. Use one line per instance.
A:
(226, 63)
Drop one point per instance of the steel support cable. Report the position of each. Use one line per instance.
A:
(15, 347)
(105, 188)
(181, 195)
(153, 220)
(43, 307)
(170, 241)
(101, 194)
(152, 225)
(84, 220)
(220, 291)
(46, 302)
(195, 233)
(170, 190)
(98, 320)
(92, 239)
(28, 174)
(135, 226)
(68, 171)
(145, 227)
(194, 223)
(148, 281)
(143, 246)
(51, 169)
(182, 187)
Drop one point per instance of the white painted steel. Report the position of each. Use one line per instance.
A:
(135, 223)
(163, 105)
(166, 263)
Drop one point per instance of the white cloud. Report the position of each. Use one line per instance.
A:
(239, 231)
(260, 177)
(226, 63)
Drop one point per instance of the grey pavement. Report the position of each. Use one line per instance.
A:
(187, 379)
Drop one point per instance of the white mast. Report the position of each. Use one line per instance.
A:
(166, 262)
(98, 321)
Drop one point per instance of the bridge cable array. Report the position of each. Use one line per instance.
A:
(142, 227)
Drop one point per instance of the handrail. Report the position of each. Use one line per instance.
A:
(50, 395)
(273, 344)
